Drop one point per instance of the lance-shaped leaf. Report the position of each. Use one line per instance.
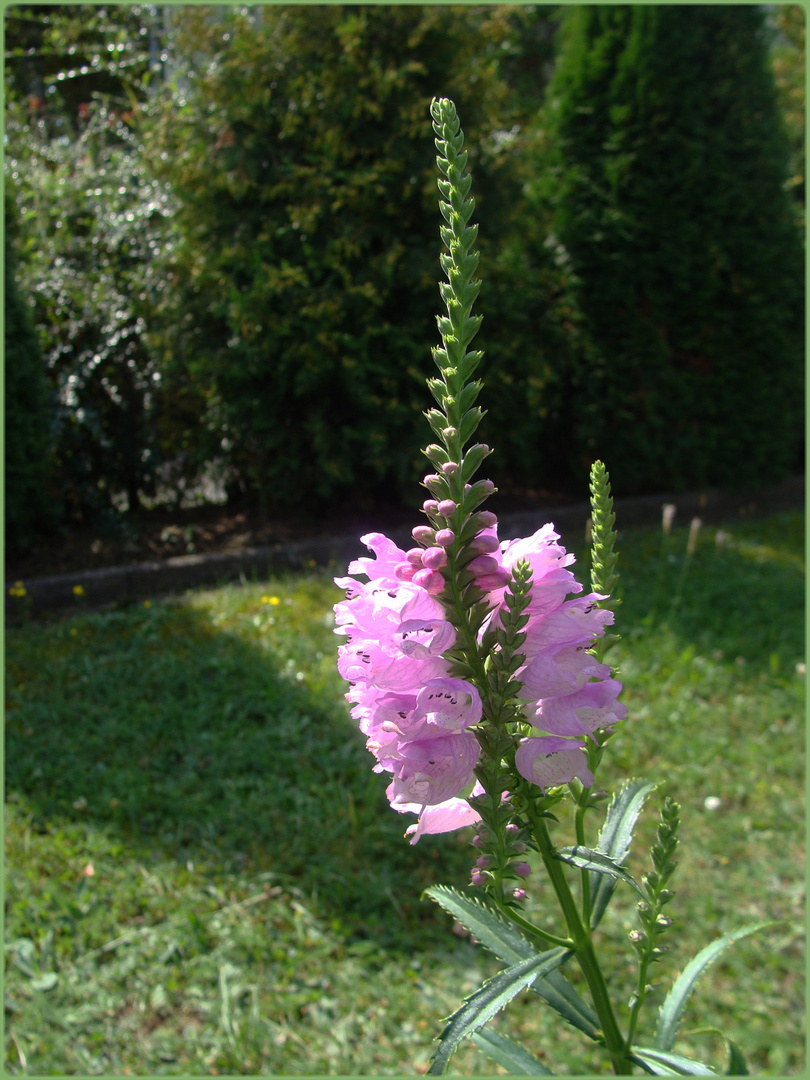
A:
(485, 924)
(675, 1002)
(509, 1054)
(486, 1002)
(494, 933)
(614, 840)
(589, 859)
(662, 1063)
(561, 996)
(736, 1061)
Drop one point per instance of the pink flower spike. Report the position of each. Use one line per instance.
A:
(434, 558)
(444, 537)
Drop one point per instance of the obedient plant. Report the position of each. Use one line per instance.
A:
(477, 674)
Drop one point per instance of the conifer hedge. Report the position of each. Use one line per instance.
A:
(664, 182)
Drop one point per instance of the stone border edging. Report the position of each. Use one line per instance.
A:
(117, 584)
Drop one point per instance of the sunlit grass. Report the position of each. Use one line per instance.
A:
(203, 874)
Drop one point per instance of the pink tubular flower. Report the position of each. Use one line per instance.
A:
(569, 694)
(549, 762)
(414, 714)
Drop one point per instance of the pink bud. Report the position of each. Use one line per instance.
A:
(520, 848)
(450, 432)
(483, 862)
(423, 534)
(512, 829)
(450, 468)
(491, 582)
(430, 506)
(447, 507)
(404, 571)
(414, 555)
(486, 542)
(519, 894)
(434, 558)
(484, 564)
(478, 878)
(430, 580)
(478, 840)
(522, 869)
(431, 478)
(487, 519)
(444, 537)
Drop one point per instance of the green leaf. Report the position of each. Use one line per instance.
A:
(489, 928)
(736, 1061)
(661, 1063)
(45, 982)
(561, 996)
(614, 840)
(486, 1001)
(674, 1005)
(485, 924)
(509, 1054)
(589, 859)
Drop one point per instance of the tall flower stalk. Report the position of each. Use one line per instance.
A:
(478, 677)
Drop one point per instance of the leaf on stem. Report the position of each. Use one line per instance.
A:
(661, 1063)
(509, 1054)
(674, 1005)
(489, 928)
(590, 859)
(489, 999)
(615, 838)
(485, 924)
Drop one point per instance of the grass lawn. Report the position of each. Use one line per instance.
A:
(203, 874)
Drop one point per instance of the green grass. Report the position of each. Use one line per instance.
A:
(253, 907)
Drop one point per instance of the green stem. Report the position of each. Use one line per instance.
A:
(530, 928)
(585, 875)
(641, 993)
(580, 935)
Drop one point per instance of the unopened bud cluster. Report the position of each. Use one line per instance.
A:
(653, 922)
(502, 860)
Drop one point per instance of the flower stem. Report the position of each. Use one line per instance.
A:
(580, 935)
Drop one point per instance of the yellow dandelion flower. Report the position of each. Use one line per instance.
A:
(78, 590)
(147, 603)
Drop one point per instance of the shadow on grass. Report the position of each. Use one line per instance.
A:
(235, 750)
(192, 743)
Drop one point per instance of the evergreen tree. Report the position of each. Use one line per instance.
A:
(306, 276)
(29, 501)
(664, 182)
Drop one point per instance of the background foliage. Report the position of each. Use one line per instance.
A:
(227, 239)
